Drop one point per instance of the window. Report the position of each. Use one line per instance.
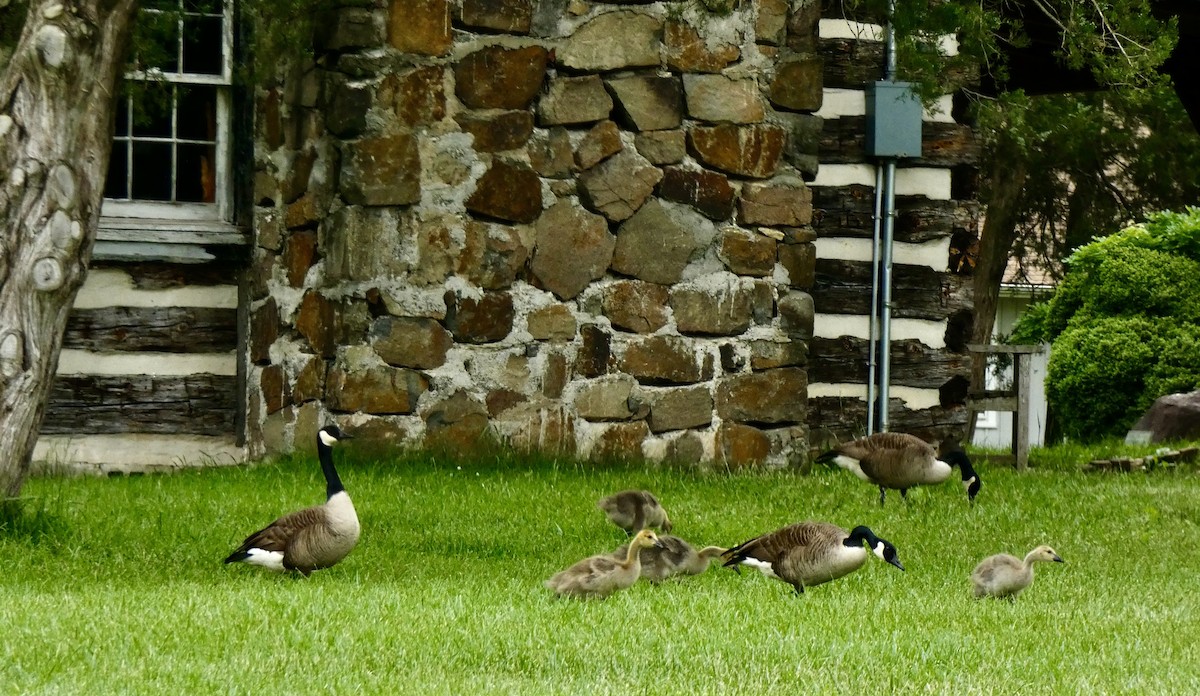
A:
(169, 173)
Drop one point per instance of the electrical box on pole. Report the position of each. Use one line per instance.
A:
(893, 120)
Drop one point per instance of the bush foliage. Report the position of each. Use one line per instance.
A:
(1124, 324)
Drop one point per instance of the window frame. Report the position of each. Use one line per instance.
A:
(152, 224)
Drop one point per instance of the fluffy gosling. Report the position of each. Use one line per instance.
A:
(1006, 576)
(601, 575)
(672, 557)
(633, 511)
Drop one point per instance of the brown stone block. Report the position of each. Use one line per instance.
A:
(594, 351)
(666, 360)
(648, 102)
(605, 398)
(485, 320)
(771, 396)
(414, 342)
(274, 387)
(299, 254)
(742, 445)
(303, 213)
(574, 248)
(552, 323)
(572, 100)
(635, 305)
(680, 408)
(420, 26)
(654, 245)
(458, 424)
(599, 143)
(309, 384)
(766, 355)
(550, 153)
(712, 311)
(382, 171)
(500, 78)
(662, 147)
(500, 400)
(798, 84)
(416, 96)
(708, 192)
(800, 261)
(497, 132)
(618, 186)
(613, 40)
(264, 330)
(747, 253)
(720, 99)
(781, 202)
(493, 255)
(689, 52)
(507, 16)
(379, 390)
(752, 151)
(507, 191)
(316, 320)
(554, 376)
(620, 442)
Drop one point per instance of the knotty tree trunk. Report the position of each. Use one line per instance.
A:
(56, 122)
(1009, 169)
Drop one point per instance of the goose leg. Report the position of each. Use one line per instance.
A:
(904, 494)
(799, 588)
(882, 494)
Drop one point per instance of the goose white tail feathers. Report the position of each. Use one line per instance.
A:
(313, 538)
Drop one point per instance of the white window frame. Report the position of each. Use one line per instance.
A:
(149, 225)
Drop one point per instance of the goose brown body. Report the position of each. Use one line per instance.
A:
(634, 511)
(1007, 576)
(900, 461)
(673, 556)
(601, 575)
(313, 538)
(810, 553)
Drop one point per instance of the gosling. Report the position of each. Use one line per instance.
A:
(633, 511)
(900, 461)
(601, 575)
(1006, 576)
(810, 553)
(672, 557)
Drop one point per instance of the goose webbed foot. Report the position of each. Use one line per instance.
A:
(882, 495)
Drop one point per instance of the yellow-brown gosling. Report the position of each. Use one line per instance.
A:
(634, 511)
(601, 575)
(672, 556)
(1006, 576)
(810, 553)
(900, 461)
(313, 538)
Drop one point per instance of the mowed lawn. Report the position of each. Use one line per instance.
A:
(116, 586)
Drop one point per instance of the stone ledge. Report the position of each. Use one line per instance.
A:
(132, 453)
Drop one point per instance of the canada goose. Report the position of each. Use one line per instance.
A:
(602, 575)
(810, 553)
(900, 461)
(313, 538)
(1003, 575)
(672, 556)
(634, 511)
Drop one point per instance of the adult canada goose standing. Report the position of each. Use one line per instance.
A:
(602, 575)
(810, 553)
(900, 461)
(313, 538)
(634, 511)
(1003, 575)
(672, 556)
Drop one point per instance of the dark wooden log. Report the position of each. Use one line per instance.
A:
(856, 63)
(163, 276)
(918, 292)
(201, 404)
(844, 141)
(848, 211)
(913, 364)
(837, 419)
(166, 329)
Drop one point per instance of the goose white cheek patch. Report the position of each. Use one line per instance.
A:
(327, 438)
(967, 484)
(879, 551)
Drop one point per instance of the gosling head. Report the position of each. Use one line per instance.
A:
(880, 547)
(1045, 553)
(331, 434)
(970, 479)
(645, 539)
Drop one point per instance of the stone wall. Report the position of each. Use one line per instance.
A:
(581, 228)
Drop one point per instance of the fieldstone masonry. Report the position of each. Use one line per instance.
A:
(577, 227)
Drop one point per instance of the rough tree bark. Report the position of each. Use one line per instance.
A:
(1008, 171)
(56, 121)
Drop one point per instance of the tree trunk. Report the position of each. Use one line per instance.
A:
(1006, 181)
(56, 122)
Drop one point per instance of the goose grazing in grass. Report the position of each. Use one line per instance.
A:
(810, 553)
(634, 511)
(672, 556)
(1003, 575)
(900, 461)
(602, 575)
(313, 538)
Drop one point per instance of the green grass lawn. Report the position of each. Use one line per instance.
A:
(117, 586)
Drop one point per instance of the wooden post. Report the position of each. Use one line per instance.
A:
(1015, 400)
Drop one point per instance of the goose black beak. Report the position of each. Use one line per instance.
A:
(896, 562)
(1058, 559)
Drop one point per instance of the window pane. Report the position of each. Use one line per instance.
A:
(197, 113)
(152, 109)
(118, 169)
(122, 127)
(152, 171)
(196, 178)
(204, 6)
(160, 4)
(158, 41)
(202, 45)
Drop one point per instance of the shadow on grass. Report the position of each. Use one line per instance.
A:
(30, 520)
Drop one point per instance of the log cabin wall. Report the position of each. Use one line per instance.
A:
(148, 375)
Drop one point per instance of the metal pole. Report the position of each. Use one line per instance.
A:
(885, 324)
(873, 328)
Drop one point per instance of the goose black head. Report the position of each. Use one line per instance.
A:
(880, 547)
(331, 434)
(970, 479)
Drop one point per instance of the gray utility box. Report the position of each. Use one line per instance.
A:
(893, 120)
